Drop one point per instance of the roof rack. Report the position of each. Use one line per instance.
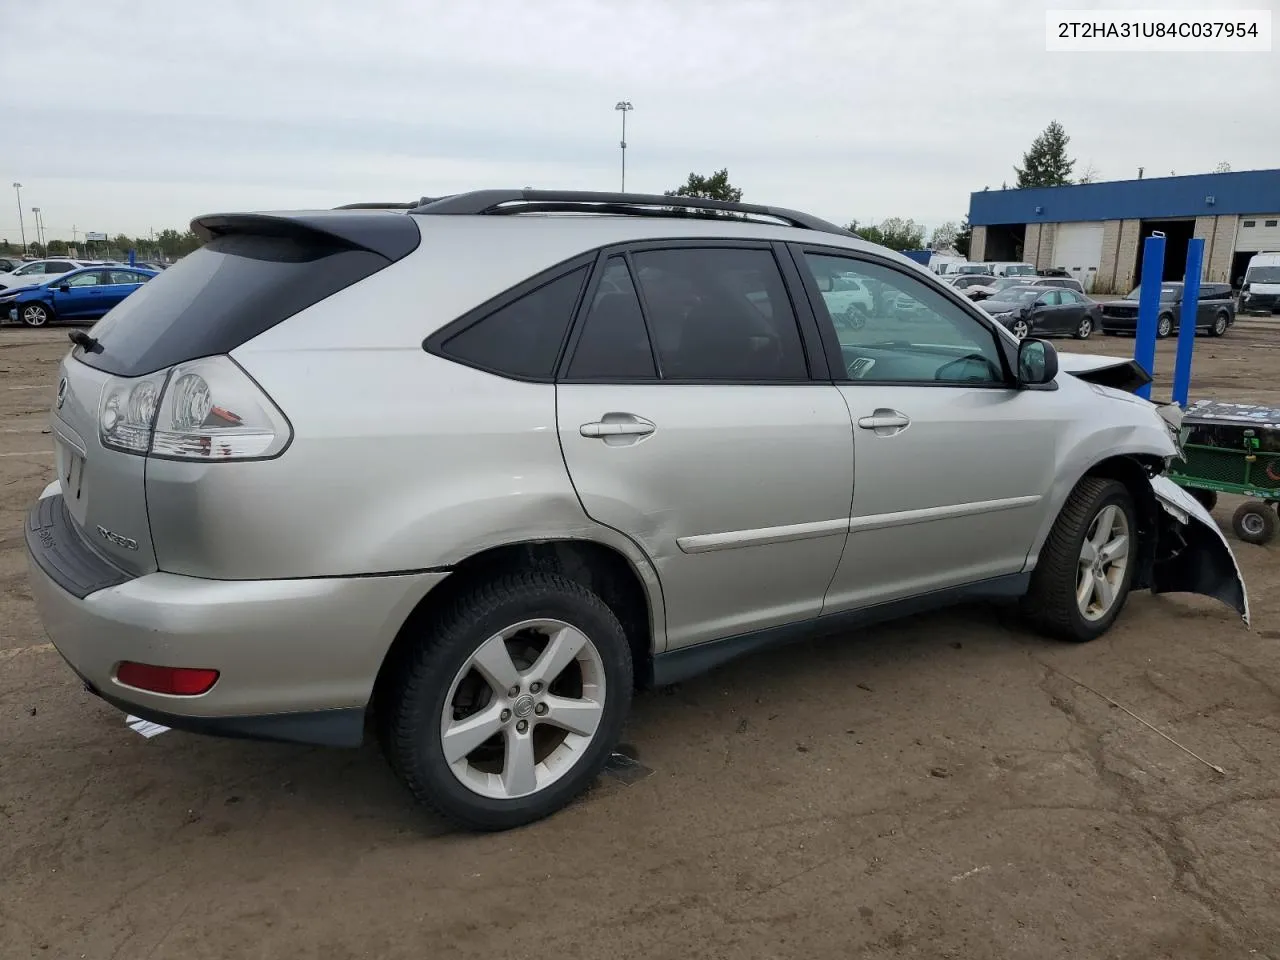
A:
(497, 202)
(390, 205)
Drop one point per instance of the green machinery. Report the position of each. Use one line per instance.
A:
(1233, 448)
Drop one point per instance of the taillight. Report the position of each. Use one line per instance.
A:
(174, 681)
(205, 410)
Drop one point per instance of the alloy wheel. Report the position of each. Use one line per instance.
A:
(34, 315)
(1104, 557)
(523, 709)
(1020, 329)
(1085, 328)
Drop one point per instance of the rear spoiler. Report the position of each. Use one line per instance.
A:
(389, 235)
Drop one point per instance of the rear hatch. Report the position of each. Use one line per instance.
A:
(253, 272)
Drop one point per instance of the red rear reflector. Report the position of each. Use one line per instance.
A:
(177, 681)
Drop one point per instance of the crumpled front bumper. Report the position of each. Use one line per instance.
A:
(1202, 561)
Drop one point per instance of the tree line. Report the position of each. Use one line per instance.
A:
(165, 245)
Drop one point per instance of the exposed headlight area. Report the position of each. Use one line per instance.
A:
(204, 410)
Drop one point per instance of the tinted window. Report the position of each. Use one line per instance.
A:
(523, 338)
(720, 314)
(1067, 296)
(126, 276)
(912, 333)
(614, 343)
(58, 266)
(228, 291)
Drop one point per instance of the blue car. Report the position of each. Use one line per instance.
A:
(84, 294)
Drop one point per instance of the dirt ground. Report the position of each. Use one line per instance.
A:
(947, 786)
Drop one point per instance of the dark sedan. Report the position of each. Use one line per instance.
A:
(1044, 311)
(1215, 312)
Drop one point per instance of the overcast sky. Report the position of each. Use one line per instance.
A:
(143, 116)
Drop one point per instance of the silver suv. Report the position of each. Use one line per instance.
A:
(468, 471)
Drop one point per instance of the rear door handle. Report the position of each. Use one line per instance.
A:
(618, 425)
(885, 422)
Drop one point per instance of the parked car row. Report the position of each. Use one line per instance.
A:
(1215, 311)
(86, 293)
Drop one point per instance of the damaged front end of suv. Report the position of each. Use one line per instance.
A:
(1182, 548)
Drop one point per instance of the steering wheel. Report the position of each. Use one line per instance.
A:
(993, 374)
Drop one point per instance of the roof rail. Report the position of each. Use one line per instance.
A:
(494, 202)
(390, 205)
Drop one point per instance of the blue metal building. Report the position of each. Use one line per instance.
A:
(1095, 230)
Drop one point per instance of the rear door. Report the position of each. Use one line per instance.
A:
(1047, 313)
(119, 284)
(691, 420)
(1074, 309)
(951, 463)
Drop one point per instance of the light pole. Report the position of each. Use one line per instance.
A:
(40, 231)
(17, 188)
(624, 107)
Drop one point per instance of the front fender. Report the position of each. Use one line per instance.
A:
(1192, 554)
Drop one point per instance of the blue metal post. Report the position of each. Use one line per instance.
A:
(1144, 346)
(133, 258)
(1187, 323)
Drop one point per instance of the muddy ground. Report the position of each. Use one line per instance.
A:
(948, 786)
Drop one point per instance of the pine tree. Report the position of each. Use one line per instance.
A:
(1046, 164)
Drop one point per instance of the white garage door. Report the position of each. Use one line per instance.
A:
(1258, 232)
(1077, 248)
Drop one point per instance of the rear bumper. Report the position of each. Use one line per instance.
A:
(297, 658)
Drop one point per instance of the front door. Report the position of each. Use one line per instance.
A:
(690, 422)
(952, 465)
(82, 295)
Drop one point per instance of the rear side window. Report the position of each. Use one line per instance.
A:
(614, 344)
(225, 293)
(523, 337)
(720, 314)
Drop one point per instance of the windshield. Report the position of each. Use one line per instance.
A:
(1020, 295)
(1167, 294)
(1004, 283)
(1263, 275)
(1020, 270)
(970, 268)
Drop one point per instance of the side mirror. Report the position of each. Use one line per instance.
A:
(1037, 363)
(64, 287)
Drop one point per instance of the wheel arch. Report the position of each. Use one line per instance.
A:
(1134, 470)
(627, 585)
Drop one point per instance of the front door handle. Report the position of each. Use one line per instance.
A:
(885, 422)
(618, 425)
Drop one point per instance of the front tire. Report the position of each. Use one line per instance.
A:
(1085, 328)
(1020, 329)
(1164, 326)
(1082, 580)
(510, 703)
(1220, 324)
(35, 314)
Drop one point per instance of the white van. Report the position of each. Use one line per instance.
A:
(1261, 290)
(1008, 268)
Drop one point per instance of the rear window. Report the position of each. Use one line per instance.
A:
(223, 294)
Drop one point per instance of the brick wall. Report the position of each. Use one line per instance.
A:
(1127, 256)
(1219, 254)
(1031, 242)
(1105, 281)
(978, 244)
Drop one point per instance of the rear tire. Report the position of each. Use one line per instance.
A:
(35, 314)
(1071, 581)
(449, 679)
(1254, 522)
(1085, 328)
(1220, 324)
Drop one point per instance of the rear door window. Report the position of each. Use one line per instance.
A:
(614, 344)
(720, 314)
